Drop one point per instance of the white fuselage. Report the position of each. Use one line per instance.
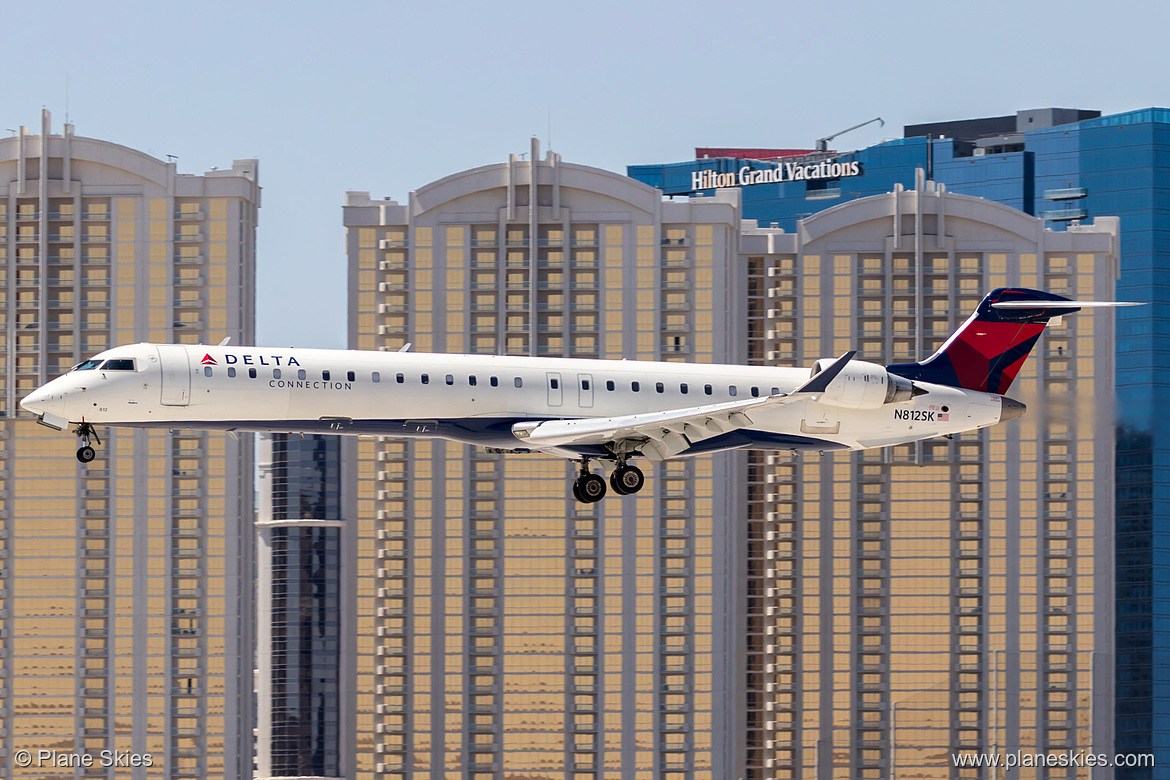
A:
(470, 398)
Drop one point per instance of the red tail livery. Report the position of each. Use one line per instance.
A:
(989, 349)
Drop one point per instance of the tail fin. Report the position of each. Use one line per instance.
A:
(989, 349)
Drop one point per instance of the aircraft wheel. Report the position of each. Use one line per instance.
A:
(627, 480)
(589, 488)
(86, 454)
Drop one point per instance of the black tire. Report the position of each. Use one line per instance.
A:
(627, 480)
(591, 487)
(86, 454)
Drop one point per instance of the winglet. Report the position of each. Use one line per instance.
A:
(820, 382)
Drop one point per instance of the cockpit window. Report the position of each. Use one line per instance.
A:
(88, 365)
(119, 364)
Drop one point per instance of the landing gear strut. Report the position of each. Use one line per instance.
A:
(86, 453)
(588, 488)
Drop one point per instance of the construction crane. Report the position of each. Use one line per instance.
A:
(823, 143)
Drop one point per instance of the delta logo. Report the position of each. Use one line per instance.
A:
(208, 360)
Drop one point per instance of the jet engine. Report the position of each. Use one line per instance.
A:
(862, 385)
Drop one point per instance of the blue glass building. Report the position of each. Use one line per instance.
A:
(1062, 165)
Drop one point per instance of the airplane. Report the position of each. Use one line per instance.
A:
(584, 410)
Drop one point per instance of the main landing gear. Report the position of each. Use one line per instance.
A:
(85, 453)
(589, 488)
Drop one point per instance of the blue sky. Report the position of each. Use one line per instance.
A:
(388, 96)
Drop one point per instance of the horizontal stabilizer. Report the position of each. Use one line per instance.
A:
(1062, 304)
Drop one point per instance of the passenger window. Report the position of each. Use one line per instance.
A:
(450, 379)
(350, 376)
(755, 392)
(207, 371)
(775, 391)
(707, 389)
(635, 386)
(683, 388)
(471, 381)
(731, 391)
(325, 375)
(554, 383)
(231, 371)
(399, 378)
(659, 387)
(495, 381)
(518, 382)
(426, 379)
(300, 373)
(276, 373)
(251, 373)
(376, 377)
(609, 385)
(584, 384)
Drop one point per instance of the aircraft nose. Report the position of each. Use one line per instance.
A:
(1010, 409)
(35, 401)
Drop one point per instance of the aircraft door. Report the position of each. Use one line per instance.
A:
(555, 391)
(585, 391)
(176, 375)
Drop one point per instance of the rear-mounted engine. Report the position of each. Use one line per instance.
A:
(862, 385)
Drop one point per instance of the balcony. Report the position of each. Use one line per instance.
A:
(1065, 193)
(1063, 215)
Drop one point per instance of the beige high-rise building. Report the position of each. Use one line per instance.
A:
(126, 583)
(762, 615)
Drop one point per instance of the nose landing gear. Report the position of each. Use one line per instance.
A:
(85, 453)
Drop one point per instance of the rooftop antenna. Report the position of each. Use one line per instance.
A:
(66, 98)
(550, 146)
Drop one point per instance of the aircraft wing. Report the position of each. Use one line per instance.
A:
(660, 435)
